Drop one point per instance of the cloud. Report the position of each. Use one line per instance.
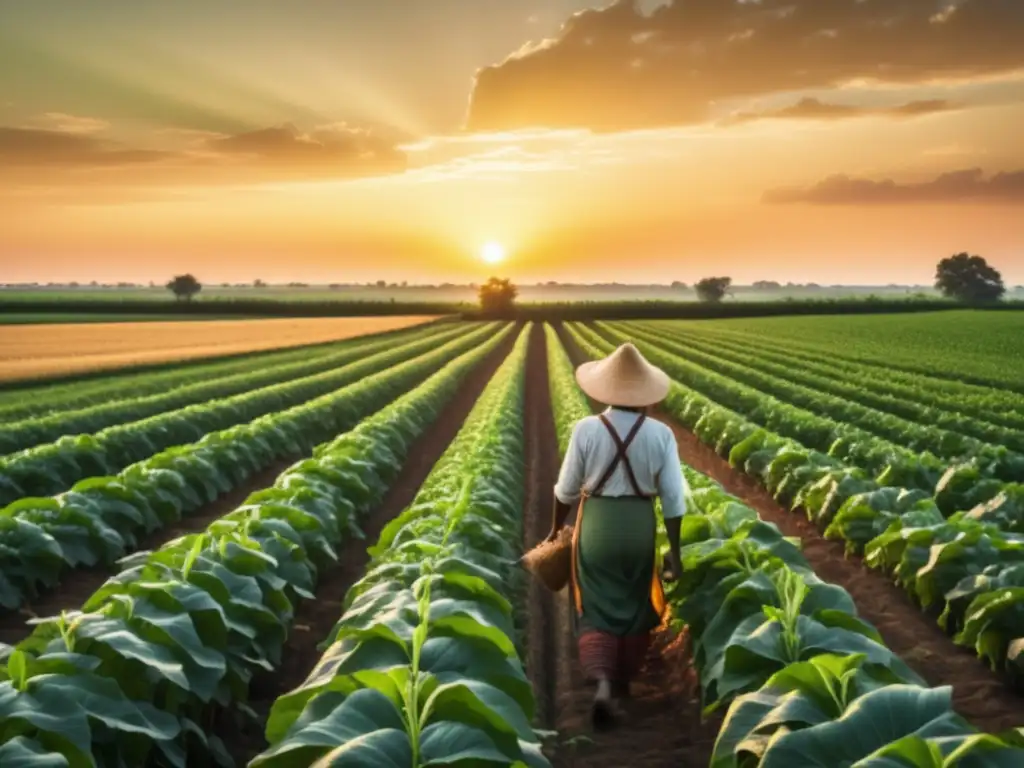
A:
(957, 186)
(506, 163)
(21, 147)
(63, 122)
(269, 154)
(340, 149)
(815, 109)
(616, 68)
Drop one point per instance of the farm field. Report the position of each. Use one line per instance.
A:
(309, 556)
(978, 346)
(31, 351)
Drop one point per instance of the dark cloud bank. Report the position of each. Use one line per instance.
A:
(814, 109)
(279, 151)
(617, 69)
(958, 186)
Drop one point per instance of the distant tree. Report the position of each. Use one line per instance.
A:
(257, 283)
(766, 285)
(679, 286)
(382, 283)
(184, 287)
(969, 278)
(713, 289)
(497, 295)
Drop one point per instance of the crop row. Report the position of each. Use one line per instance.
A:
(970, 565)
(859, 422)
(29, 432)
(997, 406)
(54, 467)
(830, 442)
(176, 637)
(858, 387)
(101, 518)
(422, 668)
(967, 562)
(807, 682)
(972, 347)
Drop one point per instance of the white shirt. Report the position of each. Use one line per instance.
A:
(653, 455)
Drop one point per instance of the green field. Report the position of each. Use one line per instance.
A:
(971, 345)
(309, 556)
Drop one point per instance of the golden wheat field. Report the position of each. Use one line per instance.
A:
(28, 351)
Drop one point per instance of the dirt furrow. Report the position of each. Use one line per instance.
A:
(77, 585)
(548, 649)
(662, 725)
(315, 618)
(979, 694)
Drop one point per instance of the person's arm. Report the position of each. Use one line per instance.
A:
(672, 490)
(570, 481)
(672, 527)
(559, 513)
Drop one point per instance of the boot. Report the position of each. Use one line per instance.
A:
(602, 714)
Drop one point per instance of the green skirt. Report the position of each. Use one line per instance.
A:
(615, 587)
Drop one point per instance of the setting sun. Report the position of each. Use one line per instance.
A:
(493, 253)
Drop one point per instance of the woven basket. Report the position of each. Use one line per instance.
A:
(551, 561)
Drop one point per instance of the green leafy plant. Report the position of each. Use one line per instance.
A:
(180, 632)
(54, 467)
(101, 518)
(422, 668)
(809, 682)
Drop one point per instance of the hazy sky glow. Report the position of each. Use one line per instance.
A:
(847, 141)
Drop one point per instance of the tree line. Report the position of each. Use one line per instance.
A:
(962, 277)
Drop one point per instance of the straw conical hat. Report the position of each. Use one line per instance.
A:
(623, 378)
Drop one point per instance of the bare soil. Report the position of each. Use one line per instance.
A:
(314, 619)
(79, 584)
(549, 645)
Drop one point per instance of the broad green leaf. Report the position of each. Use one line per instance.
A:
(22, 752)
(874, 720)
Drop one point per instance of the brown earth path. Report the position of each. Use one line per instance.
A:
(77, 585)
(979, 694)
(315, 618)
(661, 724)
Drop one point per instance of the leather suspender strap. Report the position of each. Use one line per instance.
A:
(620, 455)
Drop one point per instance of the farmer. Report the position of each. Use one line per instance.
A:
(615, 465)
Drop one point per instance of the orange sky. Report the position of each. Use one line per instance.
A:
(835, 142)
